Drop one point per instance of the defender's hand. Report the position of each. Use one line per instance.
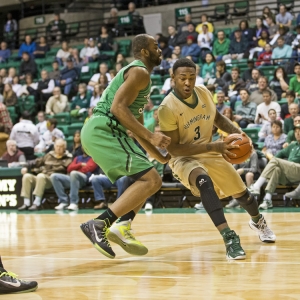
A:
(160, 140)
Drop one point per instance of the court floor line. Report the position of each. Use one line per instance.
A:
(120, 276)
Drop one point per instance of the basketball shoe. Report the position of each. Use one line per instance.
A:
(10, 284)
(96, 231)
(121, 234)
(265, 234)
(234, 249)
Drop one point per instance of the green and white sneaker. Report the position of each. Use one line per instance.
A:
(266, 204)
(234, 249)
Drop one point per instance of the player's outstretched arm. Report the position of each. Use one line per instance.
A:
(225, 124)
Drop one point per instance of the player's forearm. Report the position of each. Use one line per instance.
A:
(191, 149)
(225, 124)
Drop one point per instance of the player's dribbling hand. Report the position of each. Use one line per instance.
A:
(224, 147)
(160, 140)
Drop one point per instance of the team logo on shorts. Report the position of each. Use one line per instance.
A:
(141, 110)
(147, 97)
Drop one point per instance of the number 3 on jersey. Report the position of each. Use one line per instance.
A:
(197, 131)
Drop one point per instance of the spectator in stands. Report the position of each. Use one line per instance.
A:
(133, 13)
(68, 77)
(95, 78)
(247, 32)
(63, 54)
(267, 13)
(48, 138)
(257, 96)
(55, 73)
(56, 29)
(184, 26)
(76, 149)
(263, 108)
(209, 68)
(16, 86)
(252, 84)
(82, 54)
(291, 134)
(112, 73)
(56, 104)
(79, 172)
(3, 139)
(9, 96)
(204, 21)
(81, 101)
(28, 66)
(105, 41)
(237, 48)
(41, 48)
(232, 87)
(280, 82)
(266, 128)
(289, 122)
(290, 97)
(245, 113)
(42, 123)
(205, 39)
(29, 88)
(191, 49)
(284, 17)
(296, 44)
(221, 99)
(4, 52)
(55, 161)
(14, 156)
(221, 45)
(227, 112)
(148, 111)
(279, 170)
(98, 91)
(199, 79)
(281, 51)
(222, 76)
(121, 59)
(264, 59)
(247, 75)
(10, 29)
(11, 74)
(26, 135)
(177, 51)
(164, 47)
(184, 34)
(92, 52)
(167, 83)
(295, 81)
(258, 29)
(272, 27)
(27, 46)
(112, 21)
(151, 123)
(45, 86)
(173, 36)
(118, 67)
(263, 40)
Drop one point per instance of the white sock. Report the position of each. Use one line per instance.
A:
(27, 201)
(268, 196)
(259, 183)
(37, 201)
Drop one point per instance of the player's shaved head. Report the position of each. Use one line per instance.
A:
(140, 42)
(183, 62)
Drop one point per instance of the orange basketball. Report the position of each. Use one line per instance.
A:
(242, 153)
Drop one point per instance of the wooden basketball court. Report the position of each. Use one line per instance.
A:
(186, 258)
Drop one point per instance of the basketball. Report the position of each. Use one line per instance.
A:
(242, 153)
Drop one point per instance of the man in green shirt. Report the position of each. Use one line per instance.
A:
(295, 81)
(289, 122)
(279, 170)
(291, 134)
(221, 46)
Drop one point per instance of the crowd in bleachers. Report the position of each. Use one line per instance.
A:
(46, 94)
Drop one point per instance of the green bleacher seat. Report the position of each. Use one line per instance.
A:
(109, 53)
(155, 89)
(260, 145)
(13, 56)
(252, 133)
(157, 99)
(86, 76)
(64, 129)
(32, 32)
(156, 79)
(73, 29)
(62, 118)
(12, 113)
(227, 31)
(52, 52)
(268, 70)
(282, 101)
(79, 119)
(13, 64)
(124, 47)
(74, 127)
(70, 141)
(27, 103)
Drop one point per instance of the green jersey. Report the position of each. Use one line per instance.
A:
(137, 107)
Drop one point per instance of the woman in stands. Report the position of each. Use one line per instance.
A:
(103, 80)
(267, 13)
(228, 114)
(121, 60)
(98, 91)
(247, 32)
(280, 82)
(105, 41)
(41, 48)
(75, 149)
(11, 74)
(209, 68)
(9, 96)
(257, 30)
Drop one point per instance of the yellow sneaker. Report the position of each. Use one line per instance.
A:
(120, 233)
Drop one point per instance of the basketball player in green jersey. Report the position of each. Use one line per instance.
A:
(104, 138)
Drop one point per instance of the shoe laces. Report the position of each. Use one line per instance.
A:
(129, 232)
(104, 233)
(262, 225)
(9, 274)
(235, 245)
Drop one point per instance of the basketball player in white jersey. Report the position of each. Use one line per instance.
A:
(187, 115)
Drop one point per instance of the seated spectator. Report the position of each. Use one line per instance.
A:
(4, 52)
(14, 156)
(164, 47)
(56, 104)
(221, 45)
(9, 96)
(97, 93)
(209, 68)
(232, 87)
(227, 112)
(29, 88)
(134, 14)
(112, 73)
(252, 85)
(267, 13)
(112, 21)
(92, 52)
(295, 81)
(272, 27)
(3, 139)
(11, 74)
(10, 30)
(279, 171)
(76, 149)
(274, 141)
(79, 172)
(258, 30)
(285, 113)
(264, 59)
(95, 78)
(257, 96)
(204, 21)
(264, 107)
(151, 123)
(199, 79)
(27, 46)
(118, 68)
(247, 32)
(26, 135)
(42, 123)
(247, 75)
(45, 86)
(287, 36)
(191, 49)
(105, 41)
(56, 29)
(245, 113)
(281, 51)
(173, 36)
(184, 34)
(82, 54)
(237, 48)
(289, 122)
(266, 128)
(55, 161)
(55, 73)
(184, 26)
(284, 17)
(121, 60)
(63, 54)
(291, 134)
(260, 44)
(47, 141)
(296, 45)
(205, 39)
(68, 77)
(81, 101)
(221, 105)
(16, 86)
(212, 90)
(280, 82)
(167, 83)
(222, 76)
(28, 66)
(41, 48)
(103, 80)
(148, 111)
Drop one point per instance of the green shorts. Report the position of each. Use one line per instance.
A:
(107, 142)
